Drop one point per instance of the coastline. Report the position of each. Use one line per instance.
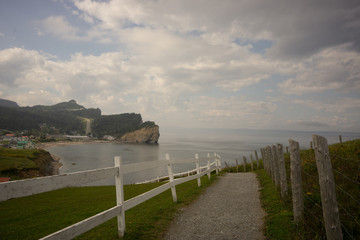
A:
(55, 164)
(65, 143)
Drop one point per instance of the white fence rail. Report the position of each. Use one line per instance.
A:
(28, 187)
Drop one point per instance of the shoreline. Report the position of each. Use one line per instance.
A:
(55, 164)
(66, 143)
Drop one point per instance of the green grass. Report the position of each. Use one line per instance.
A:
(345, 159)
(278, 221)
(18, 159)
(10, 163)
(36, 216)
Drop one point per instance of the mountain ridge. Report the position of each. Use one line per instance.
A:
(68, 118)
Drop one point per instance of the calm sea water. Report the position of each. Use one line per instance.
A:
(181, 143)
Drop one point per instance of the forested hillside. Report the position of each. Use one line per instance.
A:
(67, 118)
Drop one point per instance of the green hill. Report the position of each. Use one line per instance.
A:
(68, 118)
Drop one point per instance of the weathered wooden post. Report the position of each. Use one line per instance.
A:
(252, 163)
(265, 162)
(282, 171)
(208, 165)
(208, 168)
(237, 165)
(244, 161)
(296, 182)
(218, 163)
(119, 185)
(269, 158)
(227, 167)
(340, 139)
(171, 178)
(276, 166)
(287, 149)
(257, 160)
(198, 169)
(311, 145)
(327, 189)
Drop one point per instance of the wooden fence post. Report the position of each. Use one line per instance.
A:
(282, 171)
(119, 185)
(237, 165)
(257, 160)
(327, 189)
(252, 163)
(340, 139)
(265, 162)
(218, 163)
(171, 178)
(296, 182)
(208, 168)
(276, 166)
(244, 160)
(198, 169)
(270, 161)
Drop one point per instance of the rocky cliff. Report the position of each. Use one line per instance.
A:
(143, 135)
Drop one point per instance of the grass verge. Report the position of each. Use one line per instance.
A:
(36, 216)
(278, 219)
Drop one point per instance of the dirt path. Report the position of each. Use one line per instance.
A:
(230, 209)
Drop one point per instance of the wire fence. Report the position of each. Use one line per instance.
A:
(345, 161)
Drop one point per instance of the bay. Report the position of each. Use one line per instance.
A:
(181, 143)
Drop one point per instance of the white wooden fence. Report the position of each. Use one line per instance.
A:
(28, 187)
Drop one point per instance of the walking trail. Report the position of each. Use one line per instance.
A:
(229, 209)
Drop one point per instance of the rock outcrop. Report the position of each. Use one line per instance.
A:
(143, 135)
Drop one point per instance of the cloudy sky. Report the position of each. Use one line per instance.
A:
(274, 64)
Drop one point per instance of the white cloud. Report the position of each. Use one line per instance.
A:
(187, 62)
(341, 106)
(331, 69)
(231, 112)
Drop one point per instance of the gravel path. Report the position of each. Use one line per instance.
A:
(229, 209)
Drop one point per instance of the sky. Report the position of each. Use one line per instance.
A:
(253, 64)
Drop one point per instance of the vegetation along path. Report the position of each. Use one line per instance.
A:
(229, 209)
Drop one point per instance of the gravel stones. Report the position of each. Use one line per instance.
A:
(229, 209)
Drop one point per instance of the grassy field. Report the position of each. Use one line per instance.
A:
(345, 159)
(18, 163)
(36, 216)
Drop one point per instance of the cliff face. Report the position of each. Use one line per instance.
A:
(143, 135)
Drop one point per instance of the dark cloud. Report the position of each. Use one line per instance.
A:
(302, 28)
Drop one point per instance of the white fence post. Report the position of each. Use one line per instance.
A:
(119, 184)
(171, 178)
(217, 164)
(198, 169)
(208, 166)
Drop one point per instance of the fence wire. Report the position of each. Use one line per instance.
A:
(345, 160)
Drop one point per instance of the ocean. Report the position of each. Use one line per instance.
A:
(181, 143)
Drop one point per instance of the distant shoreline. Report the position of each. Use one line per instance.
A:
(56, 164)
(65, 143)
